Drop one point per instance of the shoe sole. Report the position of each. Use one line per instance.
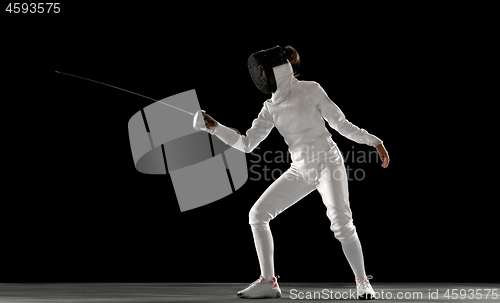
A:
(241, 296)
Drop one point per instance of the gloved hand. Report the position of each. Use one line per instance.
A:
(204, 122)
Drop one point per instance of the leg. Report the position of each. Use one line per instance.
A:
(264, 245)
(354, 255)
(283, 193)
(332, 185)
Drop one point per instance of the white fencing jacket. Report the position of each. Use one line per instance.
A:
(297, 110)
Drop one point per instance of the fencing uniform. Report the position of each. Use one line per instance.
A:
(297, 109)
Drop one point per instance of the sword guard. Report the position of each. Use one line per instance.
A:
(199, 121)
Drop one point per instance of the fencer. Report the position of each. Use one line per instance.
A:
(297, 109)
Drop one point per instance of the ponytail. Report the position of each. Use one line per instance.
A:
(291, 54)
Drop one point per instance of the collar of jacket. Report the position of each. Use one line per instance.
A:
(284, 82)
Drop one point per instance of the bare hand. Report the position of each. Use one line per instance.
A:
(209, 121)
(384, 156)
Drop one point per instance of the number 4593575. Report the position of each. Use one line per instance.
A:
(471, 294)
(33, 8)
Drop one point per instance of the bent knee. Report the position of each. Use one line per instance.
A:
(258, 217)
(344, 232)
(258, 220)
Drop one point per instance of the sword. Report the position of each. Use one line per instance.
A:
(126, 91)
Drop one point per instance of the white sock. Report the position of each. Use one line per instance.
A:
(354, 255)
(264, 246)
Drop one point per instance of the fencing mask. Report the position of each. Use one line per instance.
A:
(260, 65)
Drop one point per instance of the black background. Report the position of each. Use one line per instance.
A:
(75, 209)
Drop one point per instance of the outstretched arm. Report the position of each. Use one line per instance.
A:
(261, 127)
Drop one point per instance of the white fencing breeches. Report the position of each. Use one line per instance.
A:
(327, 174)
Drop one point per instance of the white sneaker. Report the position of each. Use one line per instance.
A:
(364, 289)
(261, 289)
